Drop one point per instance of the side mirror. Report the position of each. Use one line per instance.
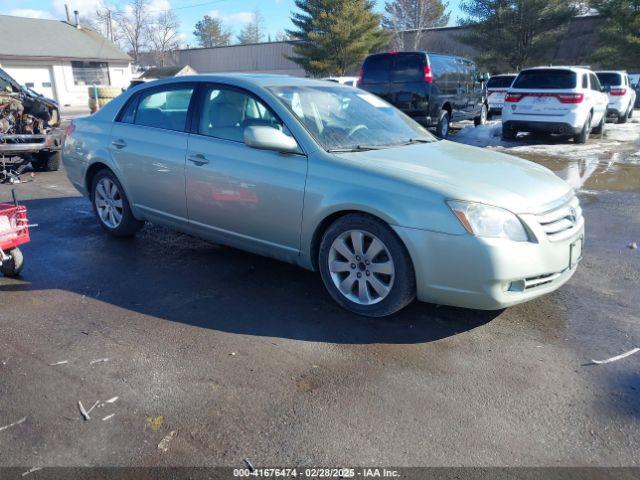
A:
(269, 138)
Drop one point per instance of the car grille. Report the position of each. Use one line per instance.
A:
(562, 222)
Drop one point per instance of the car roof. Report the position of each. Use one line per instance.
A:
(622, 72)
(243, 80)
(561, 67)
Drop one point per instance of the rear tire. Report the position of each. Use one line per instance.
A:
(47, 161)
(13, 266)
(356, 278)
(120, 222)
(600, 128)
(442, 128)
(508, 133)
(482, 118)
(583, 136)
(623, 118)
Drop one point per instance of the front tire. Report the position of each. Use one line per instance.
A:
(13, 266)
(47, 161)
(482, 118)
(111, 206)
(442, 128)
(365, 267)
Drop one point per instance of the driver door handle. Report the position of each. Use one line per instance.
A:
(198, 159)
(119, 143)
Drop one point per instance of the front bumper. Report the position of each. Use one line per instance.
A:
(21, 143)
(487, 273)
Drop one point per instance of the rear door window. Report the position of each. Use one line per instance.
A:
(610, 79)
(595, 83)
(546, 79)
(500, 82)
(376, 69)
(408, 68)
(164, 108)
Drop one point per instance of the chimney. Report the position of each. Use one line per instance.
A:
(77, 16)
(66, 9)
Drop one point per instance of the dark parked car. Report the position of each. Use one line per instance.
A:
(29, 125)
(432, 89)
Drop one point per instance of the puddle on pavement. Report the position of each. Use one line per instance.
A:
(617, 171)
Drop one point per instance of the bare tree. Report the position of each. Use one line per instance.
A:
(163, 36)
(415, 15)
(103, 23)
(133, 22)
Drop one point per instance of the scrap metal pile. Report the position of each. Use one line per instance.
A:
(20, 115)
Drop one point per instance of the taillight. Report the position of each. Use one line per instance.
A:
(513, 97)
(428, 74)
(570, 97)
(618, 92)
(360, 77)
(70, 128)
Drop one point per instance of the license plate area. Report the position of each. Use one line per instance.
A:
(575, 252)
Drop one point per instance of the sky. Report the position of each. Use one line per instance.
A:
(235, 13)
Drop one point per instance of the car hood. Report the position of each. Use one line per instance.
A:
(468, 173)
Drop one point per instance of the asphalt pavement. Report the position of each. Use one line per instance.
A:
(244, 357)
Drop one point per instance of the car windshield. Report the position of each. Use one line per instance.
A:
(610, 79)
(500, 82)
(542, 78)
(347, 119)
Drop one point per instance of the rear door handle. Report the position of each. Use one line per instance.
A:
(198, 159)
(119, 143)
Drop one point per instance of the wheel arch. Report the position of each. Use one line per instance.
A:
(330, 218)
(92, 171)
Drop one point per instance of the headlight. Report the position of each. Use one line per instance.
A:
(487, 221)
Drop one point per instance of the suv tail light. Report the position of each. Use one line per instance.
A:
(428, 74)
(618, 92)
(570, 97)
(513, 97)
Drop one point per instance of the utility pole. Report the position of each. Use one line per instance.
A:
(109, 27)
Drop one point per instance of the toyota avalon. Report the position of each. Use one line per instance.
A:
(333, 179)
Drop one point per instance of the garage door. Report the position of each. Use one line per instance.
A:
(36, 78)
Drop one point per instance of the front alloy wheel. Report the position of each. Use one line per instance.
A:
(361, 267)
(365, 267)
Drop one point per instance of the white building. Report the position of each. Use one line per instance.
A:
(60, 60)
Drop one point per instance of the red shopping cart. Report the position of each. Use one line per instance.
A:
(14, 231)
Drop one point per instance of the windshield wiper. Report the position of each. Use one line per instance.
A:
(357, 148)
(416, 140)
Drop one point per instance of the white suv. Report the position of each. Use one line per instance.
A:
(622, 96)
(564, 100)
(497, 88)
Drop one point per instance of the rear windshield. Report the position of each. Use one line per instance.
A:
(609, 79)
(376, 69)
(409, 67)
(546, 79)
(500, 82)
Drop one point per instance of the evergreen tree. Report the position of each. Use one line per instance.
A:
(402, 15)
(334, 36)
(211, 32)
(253, 32)
(513, 34)
(620, 34)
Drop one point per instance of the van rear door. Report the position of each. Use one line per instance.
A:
(408, 85)
(376, 75)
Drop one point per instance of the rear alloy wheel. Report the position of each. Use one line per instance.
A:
(583, 136)
(365, 267)
(111, 205)
(442, 128)
(482, 119)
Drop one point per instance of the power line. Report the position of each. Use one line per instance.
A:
(211, 2)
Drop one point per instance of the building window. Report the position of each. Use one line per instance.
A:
(90, 73)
